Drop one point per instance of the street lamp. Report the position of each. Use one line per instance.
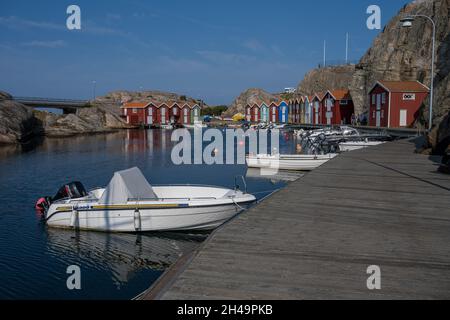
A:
(94, 87)
(407, 23)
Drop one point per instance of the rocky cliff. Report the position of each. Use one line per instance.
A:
(253, 95)
(321, 80)
(17, 122)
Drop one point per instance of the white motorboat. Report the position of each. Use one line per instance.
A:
(300, 162)
(196, 125)
(130, 204)
(355, 145)
(169, 126)
(342, 131)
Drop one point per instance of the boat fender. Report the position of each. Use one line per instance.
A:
(137, 220)
(74, 218)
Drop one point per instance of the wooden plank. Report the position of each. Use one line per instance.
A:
(382, 206)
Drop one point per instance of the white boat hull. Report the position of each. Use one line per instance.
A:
(150, 219)
(351, 146)
(288, 162)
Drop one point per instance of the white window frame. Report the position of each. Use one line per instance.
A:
(195, 114)
(150, 116)
(163, 115)
(185, 115)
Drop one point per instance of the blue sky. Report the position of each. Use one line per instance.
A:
(206, 49)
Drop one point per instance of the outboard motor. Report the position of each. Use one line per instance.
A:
(42, 204)
(72, 190)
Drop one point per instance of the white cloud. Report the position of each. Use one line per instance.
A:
(16, 22)
(113, 16)
(254, 45)
(277, 50)
(224, 57)
(45, 44)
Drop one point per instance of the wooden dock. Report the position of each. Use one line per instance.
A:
(315, 239)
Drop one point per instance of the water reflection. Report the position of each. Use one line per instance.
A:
(275, 177)
(123, 255)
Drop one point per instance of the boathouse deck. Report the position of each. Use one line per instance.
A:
(382, 206)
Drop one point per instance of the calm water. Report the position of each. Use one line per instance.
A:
(34, 258)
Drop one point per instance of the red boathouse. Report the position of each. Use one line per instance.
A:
(395, 104)
(337, 107)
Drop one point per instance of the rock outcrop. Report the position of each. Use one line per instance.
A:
(4, 95)
(323, 79)
(85, 121)
(17, 122)
(252, 95)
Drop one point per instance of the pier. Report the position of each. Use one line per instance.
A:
(315, 239)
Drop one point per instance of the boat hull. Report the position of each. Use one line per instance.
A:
(143, 219)
(351, 146)
(286, 162)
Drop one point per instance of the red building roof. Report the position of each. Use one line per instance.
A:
(170, 104)
(402, 86)
(136, 105)
(340, 94)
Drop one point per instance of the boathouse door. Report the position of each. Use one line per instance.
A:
(163, 115)
(378, 112)
(329, 112)
(403, 117)
(150, 116)
(185, 115)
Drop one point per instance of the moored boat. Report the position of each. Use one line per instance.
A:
(300, 162)
(355, 145)
(130, 204)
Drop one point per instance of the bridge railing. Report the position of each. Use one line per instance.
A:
(49, 100)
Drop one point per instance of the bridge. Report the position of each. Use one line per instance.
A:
(67, 105)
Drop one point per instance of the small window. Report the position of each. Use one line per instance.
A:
(373, 99)
(382, 113)
(134, 110)
(383, 98)
(344, 102)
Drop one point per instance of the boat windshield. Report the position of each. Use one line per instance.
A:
(73, 190)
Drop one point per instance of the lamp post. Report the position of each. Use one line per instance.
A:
(407, 23)
(94, 83)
